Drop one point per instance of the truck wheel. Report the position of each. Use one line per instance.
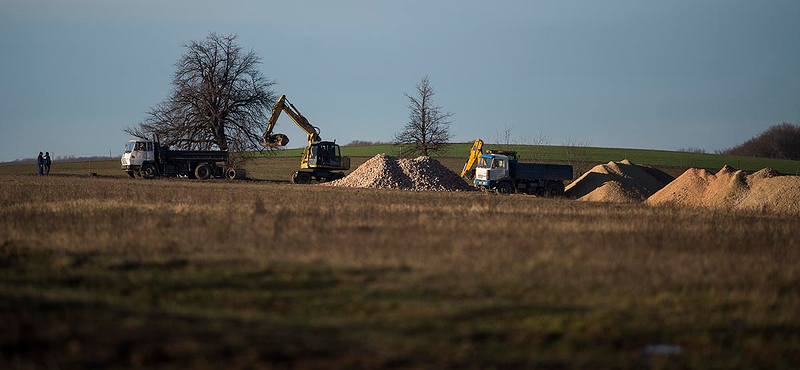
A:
(230, 174)
(203, 172)
(148, 171)
(555, 190)
(137, 174)
(505, 188)
(130, 173)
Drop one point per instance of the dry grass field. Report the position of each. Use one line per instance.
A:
(100, 272)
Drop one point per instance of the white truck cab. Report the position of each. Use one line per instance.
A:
(491, 167)
(136, 153)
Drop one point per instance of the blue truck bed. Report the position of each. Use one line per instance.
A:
(543, 171)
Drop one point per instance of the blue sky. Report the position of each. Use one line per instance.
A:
(634, 74)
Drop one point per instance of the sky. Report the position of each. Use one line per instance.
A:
(617, 73)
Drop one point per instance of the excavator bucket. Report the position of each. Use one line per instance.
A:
(275, 140)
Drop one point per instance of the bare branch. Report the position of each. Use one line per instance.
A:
(219, 99)
(428, 129)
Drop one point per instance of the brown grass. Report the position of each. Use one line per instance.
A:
(177, 273)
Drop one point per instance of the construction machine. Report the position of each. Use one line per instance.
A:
(468, 173)
(501, 171)
(148, 159)
(321, 160)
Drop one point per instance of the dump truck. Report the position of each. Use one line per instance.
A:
(501, 172)
(146, 159)
(321, 160)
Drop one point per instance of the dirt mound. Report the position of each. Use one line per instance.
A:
(779, 194)
(418, 174)
(620, 182)
(729, 188)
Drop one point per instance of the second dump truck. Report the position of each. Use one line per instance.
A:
(500, 171)
(148, 159)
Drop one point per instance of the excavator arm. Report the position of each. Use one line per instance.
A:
(283, 105)
(469, 168)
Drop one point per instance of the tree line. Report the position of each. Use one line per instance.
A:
(781, 141)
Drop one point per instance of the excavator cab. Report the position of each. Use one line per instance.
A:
(324, 155)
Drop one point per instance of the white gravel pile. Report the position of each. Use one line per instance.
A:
(418, 174)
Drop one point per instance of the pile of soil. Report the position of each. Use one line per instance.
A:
(418, 174)
(619, 182)
(729, 188)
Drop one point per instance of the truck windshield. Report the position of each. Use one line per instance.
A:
(485, 162)
(129, 147)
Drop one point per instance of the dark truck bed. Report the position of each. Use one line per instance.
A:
(196, 155)
(543, 171)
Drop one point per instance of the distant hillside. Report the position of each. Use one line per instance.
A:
(780, 141)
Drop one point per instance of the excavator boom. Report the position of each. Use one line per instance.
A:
(283, 105)
(469, 168)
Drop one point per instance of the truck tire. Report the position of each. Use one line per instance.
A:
(555, 190)
(203, 172)
(235, 173)
(505, 187)
(148, 171)
(130, 173)
(137, 174)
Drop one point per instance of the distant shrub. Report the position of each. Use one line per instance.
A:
(780, 141)
(366, 143)
(692, 150)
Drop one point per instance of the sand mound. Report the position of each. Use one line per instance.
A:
(386, 172)
(773, 194)
(729, 188)
(620, 182)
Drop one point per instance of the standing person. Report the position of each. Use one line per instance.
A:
(47, 163)
(40, 162)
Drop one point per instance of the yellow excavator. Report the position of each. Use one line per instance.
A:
(321, 160)
(468, 173)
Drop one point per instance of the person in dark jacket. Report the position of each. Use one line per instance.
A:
(47, 163)
(40, 162)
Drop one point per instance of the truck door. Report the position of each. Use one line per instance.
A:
(149, 155)
(499, 168)
(138, 153)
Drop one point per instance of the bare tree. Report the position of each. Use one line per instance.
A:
(539, 146)
(428, 129)
(219, 98)
(576, 152)
(502, 136)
